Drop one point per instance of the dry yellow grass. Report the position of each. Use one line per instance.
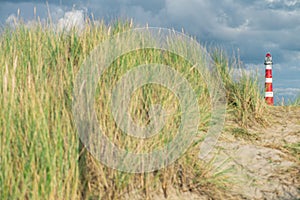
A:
(40, 153)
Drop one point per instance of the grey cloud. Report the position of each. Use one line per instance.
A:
(154, 6)
(253, 27)
(57, 2)
(283, 4)
(27, 11)
(246, 25)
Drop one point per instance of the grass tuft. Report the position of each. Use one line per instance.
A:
(40, 153)
(244, 97)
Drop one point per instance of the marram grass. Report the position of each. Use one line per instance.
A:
(41, 156)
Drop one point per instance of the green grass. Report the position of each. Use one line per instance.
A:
(294, 149)
(297, 101)
(242, 133)
(41, 156)
(244, 97)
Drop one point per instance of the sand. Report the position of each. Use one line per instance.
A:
(257, 162)
(262, 167)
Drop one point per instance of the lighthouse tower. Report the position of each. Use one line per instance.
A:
(269, 95)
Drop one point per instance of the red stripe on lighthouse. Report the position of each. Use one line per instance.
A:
(268, 73)
(269, 87)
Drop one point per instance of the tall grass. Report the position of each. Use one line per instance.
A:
(244, 96)
(41, 156)
(39, 147)
(297, 101)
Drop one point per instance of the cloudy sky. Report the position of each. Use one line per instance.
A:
(250, 27)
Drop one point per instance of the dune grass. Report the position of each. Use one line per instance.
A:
(244, 94)
(41, 156)
(297, 101)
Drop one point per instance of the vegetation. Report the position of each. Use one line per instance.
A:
(297, 101)
(41, 156)
(244, 97)
(294, 149)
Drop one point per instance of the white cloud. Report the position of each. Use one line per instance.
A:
(72, 19)
(62, 20)
(287, 91)
(291, 3)
(12, 20)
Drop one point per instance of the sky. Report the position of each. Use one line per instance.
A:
(247, 28)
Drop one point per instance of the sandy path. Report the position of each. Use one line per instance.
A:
(262, 168)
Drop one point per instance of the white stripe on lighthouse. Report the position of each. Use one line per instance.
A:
(269, 66)
(269, 94)
(269, 80)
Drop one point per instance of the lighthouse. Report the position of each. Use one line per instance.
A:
(269, 95)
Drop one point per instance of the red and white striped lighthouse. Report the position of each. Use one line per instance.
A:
(269, 95)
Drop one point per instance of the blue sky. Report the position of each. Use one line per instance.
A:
(250, 27)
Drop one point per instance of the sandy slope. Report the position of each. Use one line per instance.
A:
(262, 167)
